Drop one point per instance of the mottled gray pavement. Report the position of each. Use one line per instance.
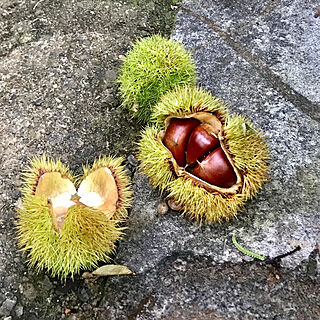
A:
(243, 54)
(58, 65)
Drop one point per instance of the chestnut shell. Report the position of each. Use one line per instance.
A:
(216, 169)
(176, 137)
(201, 141)
(199, 152)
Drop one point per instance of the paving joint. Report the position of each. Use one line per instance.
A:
(299, 101)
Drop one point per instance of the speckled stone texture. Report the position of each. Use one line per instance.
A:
(59, 62)
(286, 213)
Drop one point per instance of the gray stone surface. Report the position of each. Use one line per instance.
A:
(58, 65)
(7, 306)
(281, 33)
(286, 213)
(187, 286)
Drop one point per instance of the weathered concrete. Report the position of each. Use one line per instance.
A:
(185, 286)
(58, 65)
(286, 213)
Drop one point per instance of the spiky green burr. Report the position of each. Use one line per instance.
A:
(85, 236)
(245, 144)
(154, 66)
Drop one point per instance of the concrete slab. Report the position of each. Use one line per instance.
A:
(58, 94)
(281, 215)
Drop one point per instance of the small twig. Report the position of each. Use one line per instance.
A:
(275, 262)
(287, 254)
(224, 245)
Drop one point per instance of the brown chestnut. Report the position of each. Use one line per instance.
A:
(201, 141)
(176, 137)
(216, 169)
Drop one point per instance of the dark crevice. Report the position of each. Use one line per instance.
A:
(145, 304)
(270, 7)
(299, 101)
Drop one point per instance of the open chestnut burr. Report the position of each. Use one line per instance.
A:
(208, 161)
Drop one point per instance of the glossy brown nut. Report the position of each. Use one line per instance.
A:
(201, 141)
(216, 169)
(176, 137)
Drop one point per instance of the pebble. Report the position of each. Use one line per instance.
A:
(16, 194)
(46, 284)
(132, 160)
(162, 208)
(7, 306)
(83, 295)
(19, 311)
(37, 102)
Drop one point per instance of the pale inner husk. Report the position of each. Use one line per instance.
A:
(58, 191)
(217, 129)
(98, 190)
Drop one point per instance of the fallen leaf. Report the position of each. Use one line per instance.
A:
(112, 270)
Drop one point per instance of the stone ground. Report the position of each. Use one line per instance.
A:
(58, 65)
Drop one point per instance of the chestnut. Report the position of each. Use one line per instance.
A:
(176, 137)
(216, 169)
(201, 141)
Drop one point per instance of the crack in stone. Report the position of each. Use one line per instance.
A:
(271, 6)
(299, 101)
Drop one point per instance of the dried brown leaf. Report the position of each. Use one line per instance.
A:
(112, 270)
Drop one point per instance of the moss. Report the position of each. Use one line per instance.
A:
(154, 66)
